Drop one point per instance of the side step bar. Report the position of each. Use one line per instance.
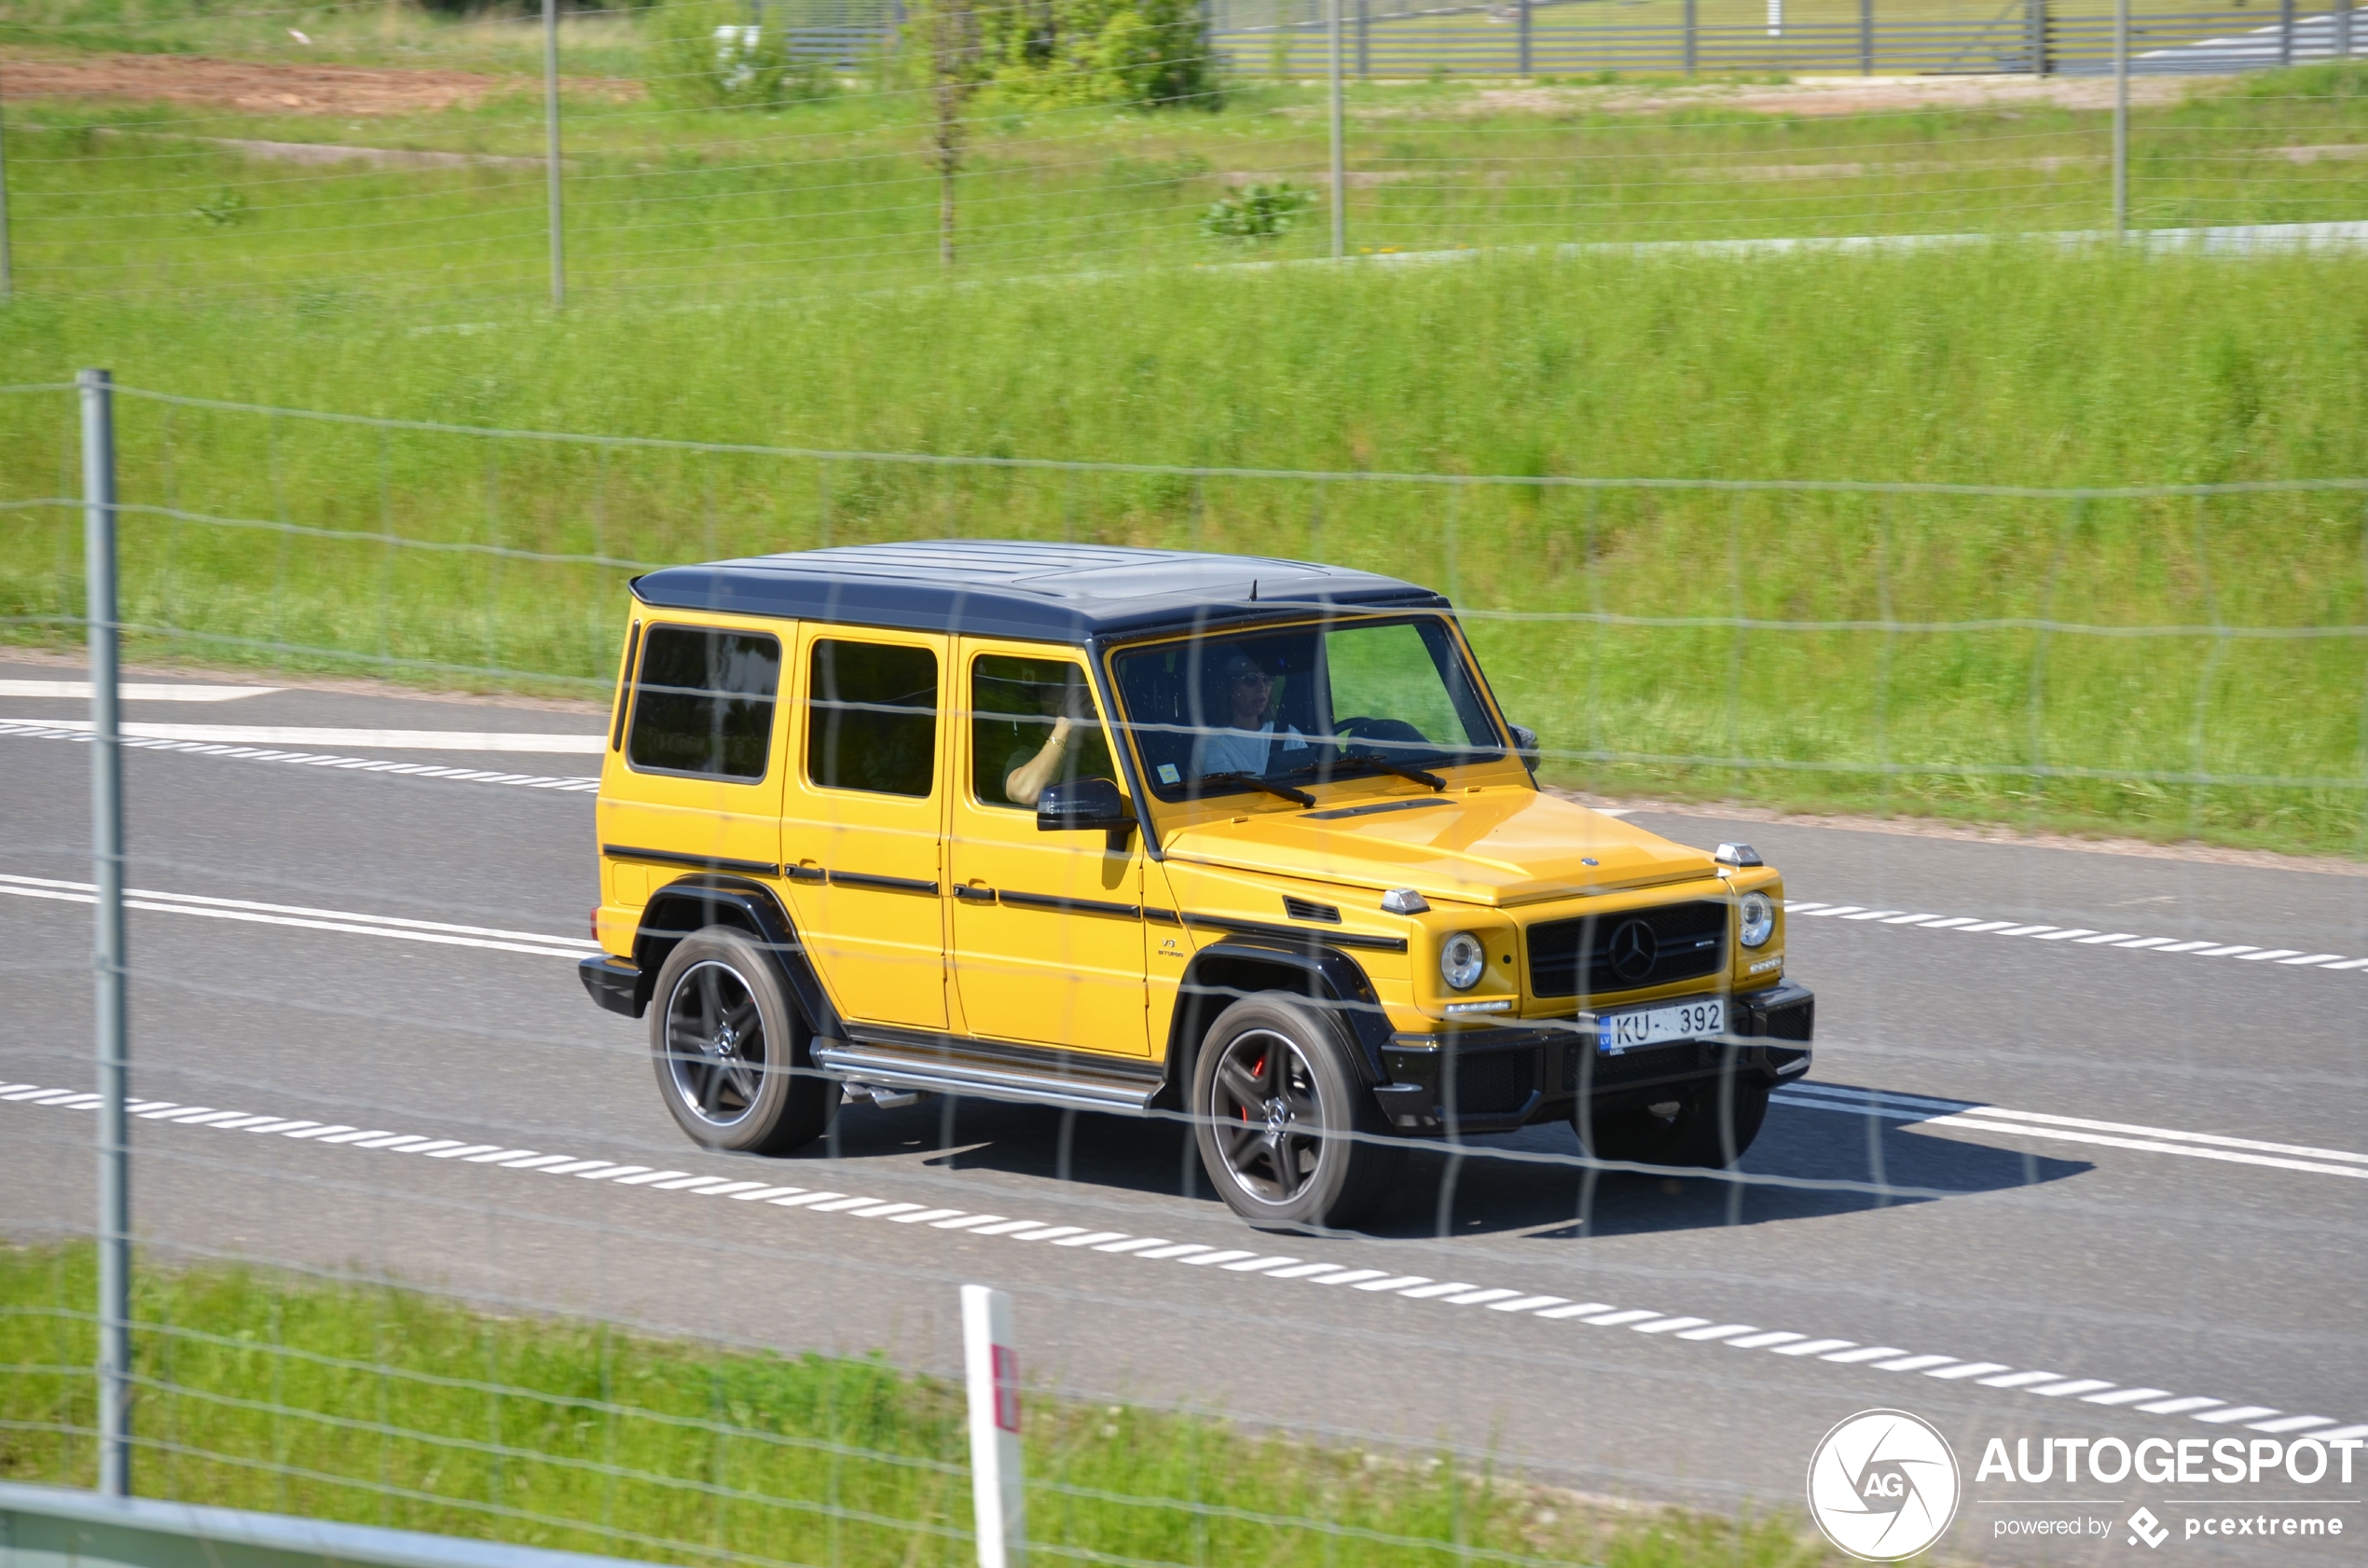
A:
(1126, 1094)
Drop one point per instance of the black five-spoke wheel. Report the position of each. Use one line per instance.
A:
(1288, 1128)
(730, 1048)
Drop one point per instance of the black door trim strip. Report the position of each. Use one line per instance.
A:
(696, 863)
(885, 884)
(1299, 935)
(1073, 906)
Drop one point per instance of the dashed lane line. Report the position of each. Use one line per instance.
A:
(345, 921)
(1974, 1115)
(46, 730)
(1670, 1327)
(2077, 935)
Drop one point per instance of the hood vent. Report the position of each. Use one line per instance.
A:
(1300, 909)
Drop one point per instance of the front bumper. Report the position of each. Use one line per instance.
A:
(1495, 1080)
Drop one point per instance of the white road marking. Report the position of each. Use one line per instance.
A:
(1671, 1329)
(44, 730)
(131, 691)
(1973, 1116)
(383, 741)
(2077, 935)
(340, 920)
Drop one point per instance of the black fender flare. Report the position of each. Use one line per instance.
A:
(704, 899)
(1223, 972)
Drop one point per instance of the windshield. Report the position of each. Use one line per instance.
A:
(1303, 704)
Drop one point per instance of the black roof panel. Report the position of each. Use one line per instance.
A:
(1007, 587)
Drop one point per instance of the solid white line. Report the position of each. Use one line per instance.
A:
(391, 740)
(2074, 1129)
(346, 922)
(131, 691)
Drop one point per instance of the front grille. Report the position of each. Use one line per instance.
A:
(1632, 1066)
(1494, 1083)
(1597, 953)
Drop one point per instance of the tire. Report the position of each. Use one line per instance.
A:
(1274, 1087)
(1691, 1133)
(730, 1049)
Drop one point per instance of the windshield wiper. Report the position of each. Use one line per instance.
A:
(1432, 780)
(1297, 797)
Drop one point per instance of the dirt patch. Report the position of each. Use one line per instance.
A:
(201, 81)
(1831, 96)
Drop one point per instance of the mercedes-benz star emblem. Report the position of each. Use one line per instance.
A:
(1634, 950)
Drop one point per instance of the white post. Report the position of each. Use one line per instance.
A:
(992, 1368)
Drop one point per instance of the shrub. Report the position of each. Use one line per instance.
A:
(1055, 52)
(704, 55)
(1261, 211)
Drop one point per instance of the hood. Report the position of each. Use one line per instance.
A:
(1499, 846)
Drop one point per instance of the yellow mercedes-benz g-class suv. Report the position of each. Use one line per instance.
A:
(1136, 831)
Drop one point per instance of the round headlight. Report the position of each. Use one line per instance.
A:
(1760, 920)
(1461, 961)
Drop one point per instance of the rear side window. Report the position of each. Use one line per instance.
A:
(874, 720)
(703, 704)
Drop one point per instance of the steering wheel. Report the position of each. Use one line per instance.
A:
(1388, 732)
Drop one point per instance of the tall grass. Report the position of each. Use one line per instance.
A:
(2001, 366)
(379, 1405)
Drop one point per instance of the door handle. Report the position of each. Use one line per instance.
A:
(974, 895)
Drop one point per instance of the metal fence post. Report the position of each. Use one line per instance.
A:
(1692, 31)
(1865, 38)
(2285, 32)
(551, 147)
(7, 260)
(1364, 40)
(2121, 118)
(1522, 69)
(2035, 31)
(106, 856)
(1339, 156)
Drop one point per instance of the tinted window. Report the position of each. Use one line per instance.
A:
(1016, 708)
(874, 720)
(704, 702)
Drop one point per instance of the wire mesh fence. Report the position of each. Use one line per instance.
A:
(393, 157)
(417, 1245)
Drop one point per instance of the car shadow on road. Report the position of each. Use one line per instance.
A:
(1533, 1181)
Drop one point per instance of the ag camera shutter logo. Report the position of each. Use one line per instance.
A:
(1883, 1485)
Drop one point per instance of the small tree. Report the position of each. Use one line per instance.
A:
(948, 31)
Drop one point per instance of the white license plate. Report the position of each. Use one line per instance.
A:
(1705, 1019)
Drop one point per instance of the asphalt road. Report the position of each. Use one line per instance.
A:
(2122, 1197)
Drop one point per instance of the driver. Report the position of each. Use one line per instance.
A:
(1250, 744)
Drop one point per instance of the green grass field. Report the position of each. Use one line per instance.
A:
(1997, 365)
(159, 201)
(383, 1405)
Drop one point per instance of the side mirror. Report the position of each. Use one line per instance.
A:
(1525, 746)
(1085, 803)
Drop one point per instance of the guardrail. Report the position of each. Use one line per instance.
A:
(1557, 40)
(55, 1527)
